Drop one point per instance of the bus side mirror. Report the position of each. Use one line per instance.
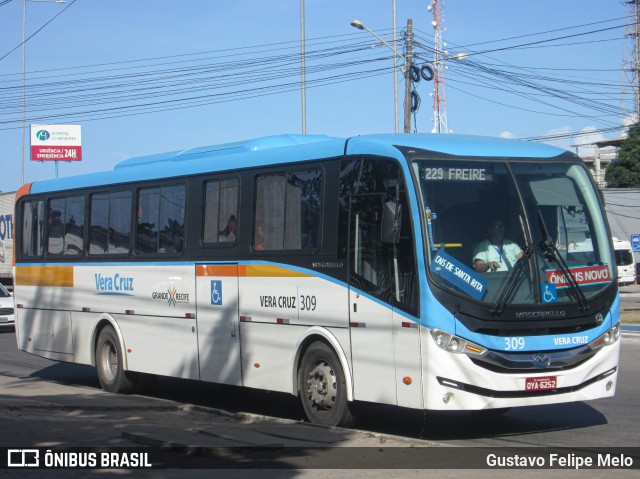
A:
(391, 222)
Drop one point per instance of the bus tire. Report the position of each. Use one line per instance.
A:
(323, 388)
(109, 363)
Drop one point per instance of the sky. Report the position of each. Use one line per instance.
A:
(148, 76)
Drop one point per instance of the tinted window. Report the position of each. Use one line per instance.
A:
(220, 211)
(110, 230)
(66, 226)
(32, 228)
(288, 211)
(160, 225)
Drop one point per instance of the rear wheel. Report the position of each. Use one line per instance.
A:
(109, 363)
(323, 388)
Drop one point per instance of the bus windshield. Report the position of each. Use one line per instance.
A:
(514, 232)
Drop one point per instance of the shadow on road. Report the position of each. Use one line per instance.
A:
(436, 425)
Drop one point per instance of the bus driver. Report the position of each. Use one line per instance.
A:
(496, 252)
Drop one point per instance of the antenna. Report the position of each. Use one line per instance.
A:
(439, 97)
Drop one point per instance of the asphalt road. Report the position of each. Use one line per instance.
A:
(630, 297)
(51, 404)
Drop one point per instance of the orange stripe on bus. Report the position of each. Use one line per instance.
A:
(258, 270)
(61, 276)
(266, 270)
(212, 270)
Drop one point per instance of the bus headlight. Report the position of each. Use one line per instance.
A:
(455, 344)
(607, 338)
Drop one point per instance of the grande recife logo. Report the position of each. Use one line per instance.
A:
(583, 274)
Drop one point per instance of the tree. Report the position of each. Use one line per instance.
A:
(625, 172)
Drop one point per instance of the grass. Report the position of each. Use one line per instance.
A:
(630, 316)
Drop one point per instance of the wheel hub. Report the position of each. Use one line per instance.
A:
(322, 386)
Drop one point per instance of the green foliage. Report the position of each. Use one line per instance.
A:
(625, 173)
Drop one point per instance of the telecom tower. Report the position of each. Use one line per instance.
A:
(631, 61)
(439, 98)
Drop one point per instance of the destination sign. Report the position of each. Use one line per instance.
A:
(456, 174)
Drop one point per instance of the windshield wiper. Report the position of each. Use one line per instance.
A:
(510, 284)
(552, 254)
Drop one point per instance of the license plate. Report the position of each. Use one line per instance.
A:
(546, 383)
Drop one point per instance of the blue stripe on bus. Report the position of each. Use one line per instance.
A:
(297, 269)
(542, 343)
(430, 307)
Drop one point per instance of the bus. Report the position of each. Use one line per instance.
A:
(341, 271)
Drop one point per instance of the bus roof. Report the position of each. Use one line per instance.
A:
(449, 144)
(293, 148)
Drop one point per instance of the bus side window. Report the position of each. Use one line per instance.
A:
(288, 211)
(171, 220)
(147, 224)
(32, 228)
(55, 240)
(220, 211)
(160, 225)
(110, 223)
(66, 226)
(74, 226)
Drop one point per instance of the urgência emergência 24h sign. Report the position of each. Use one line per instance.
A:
(56, 143)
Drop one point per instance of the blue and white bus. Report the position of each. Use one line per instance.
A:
(337, 270)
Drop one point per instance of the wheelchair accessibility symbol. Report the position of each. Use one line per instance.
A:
(216, 292)
(549, 293)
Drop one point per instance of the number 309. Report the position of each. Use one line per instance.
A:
(511, 344)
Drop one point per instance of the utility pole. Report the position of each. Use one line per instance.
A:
(408, 61)
(631, 61)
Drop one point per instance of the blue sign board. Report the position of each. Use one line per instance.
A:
(635, 243)
(460, 275)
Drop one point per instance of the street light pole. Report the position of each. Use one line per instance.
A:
(395, 65)
(407, 60)
(24, 58)
(303, 70)
(24, 86)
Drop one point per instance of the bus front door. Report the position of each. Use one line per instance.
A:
(370, 315)
(218, 326)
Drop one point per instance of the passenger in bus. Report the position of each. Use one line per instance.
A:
(228, 234)
(258, 242)
(496, 253)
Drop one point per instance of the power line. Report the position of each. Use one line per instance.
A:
(156, 84)
(543, 32)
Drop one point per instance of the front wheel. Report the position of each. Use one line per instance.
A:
(323, 388)
(109, 363)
